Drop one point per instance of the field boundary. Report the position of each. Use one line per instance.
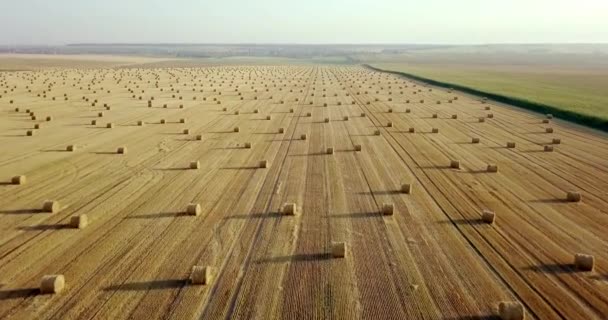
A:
(575, 117)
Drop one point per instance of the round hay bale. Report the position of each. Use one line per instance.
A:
(548, 148)
(268, 117)
(121, 150)
(574, 196)
(584, 262)
(411, 130)
(186, 131)
(482, 119)
(490, 115)
(556, 141)
(455, 164)
(326, 120)
(329, 150)
(435, 116)
(109, 125)
(247, 145)
(202, 275)
(475, 140)
(408, 110)
(435, 130)
(546, 121)
(510, 145)
(389, 124)
(338, 249)
(50, 206)
(406, 188)
(182, 120)
(390, 110)
(511, 310)
(236, 113)
(291, 110)
(100, 114)
(290, 209)
(549, 130)
(363, 115)
(281, 130)
(49, 118)
(237, 129)
(256, 111)
(488, 216)
(18, 180)
(358, 147)
(263, 164)
(51, 284)
(71, 148)
(487, 108)
(29, 133)
(303, 136)
(140, 123)
(309, 114)
(492, 168)
(345, 118)
(195, 165)
(37, 126)
(388, 209)
(549, 116)
(454, 116)
(376, 132)
(199, 137)
(93, 122)
(79, 222)
(193, 209)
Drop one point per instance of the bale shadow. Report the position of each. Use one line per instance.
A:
(241, 168)
(550, 201)
(21, 211)
(148, 285)
(487, 317)
(303, 257)
(104, 152)
(554, 268)
(436, 167)
(472, 222)
(45, 227)
(270, 215)
(158, 215)
(385, 192)
(309, 154)
(357, 215)
(54, 150)
(18, 293)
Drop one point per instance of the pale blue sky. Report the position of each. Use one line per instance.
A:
(312, 21)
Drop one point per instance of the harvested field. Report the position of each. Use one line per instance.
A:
(164, 241)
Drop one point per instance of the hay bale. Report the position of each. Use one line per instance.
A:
(490, 115)
(329, 150)
(71, 148)
(455, 164)
(79, 222)
(263, 164)
(358, 147)
(345, 118)
(487, 108)
(411, 130)
(338, 249)
(454, 116)
(49, 118)
(195, 165)
(291, 110)
(574, 196)
(482, 119)
(376, 132)
(435, 130)
(193, 209)
(182, 120)
(303, 136)
(492, 168)
(199, 137)
(186, 131)
(93, 122)
(511, 310)
(549, 130)
(390, 110)
(546, 120)
(406, 188)
(247, 145)
(363, 115)
(202, 275)
(326, 120)
(475, 140)
(18, 180)
(268, 117)
(50, 206)
(308, 114)
(140, 123)
(584, 262)
(50, 284)
(556, 141)
(237, 129)
(389, 124)
(549, 116)
(548, 148)
(37, 126)
(29, 133)
(435, 116)
(121, 150)
(281, 130)
(388, 209)
(290, 209)
(256, 111)
(488, 216)
(109, 125)
(100, 114)
(510, 145)
(408, 110)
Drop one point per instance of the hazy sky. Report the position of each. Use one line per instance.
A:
(303, 21)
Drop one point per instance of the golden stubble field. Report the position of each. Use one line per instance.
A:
(446, 205)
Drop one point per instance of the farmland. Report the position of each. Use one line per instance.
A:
(339, 142)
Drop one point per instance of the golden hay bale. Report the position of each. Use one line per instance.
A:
(338, 249)
(18, 180)
(195, 164)
(455, 164)
(263, 164)
(109, 125)
(37, 126)
(435, 130)
(358, 147)
(584, 262)
(202, 275)
(510, 145)
(71, 148)
(548, 148)
(454, 116)
(487, 108)
(345, 118)
(237, 129)
(435, 116)
(388, 209)
(256, 111)
(492, 168)
(54, 283)
(546, 120)
(100, 114)
(329, 150)
(193, 209)
(406, 188)
(50, 206)
(303, 136)
(199, 137)
(236, 113)
(224, 109)
(549, 130)
(291, 110)
(482, 119)
(376, 132)
(363, 115)
(49, 118)
(488, 216)
(411, 130)
(290, 209)
(79, 222)
(281, 130)
(30, 132)
(574, 196)
(475, 140)
(389, 124)
(556, 141)
(408, 110)
(140, 123)
(549, 116)
(268, 117)
(511, 310)
(93, 122)
(186, 131)
(309, 114)
(490, 115)
(182, 120)
(390, 110)
(121, 150)
(247, 145)
(326, 120)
